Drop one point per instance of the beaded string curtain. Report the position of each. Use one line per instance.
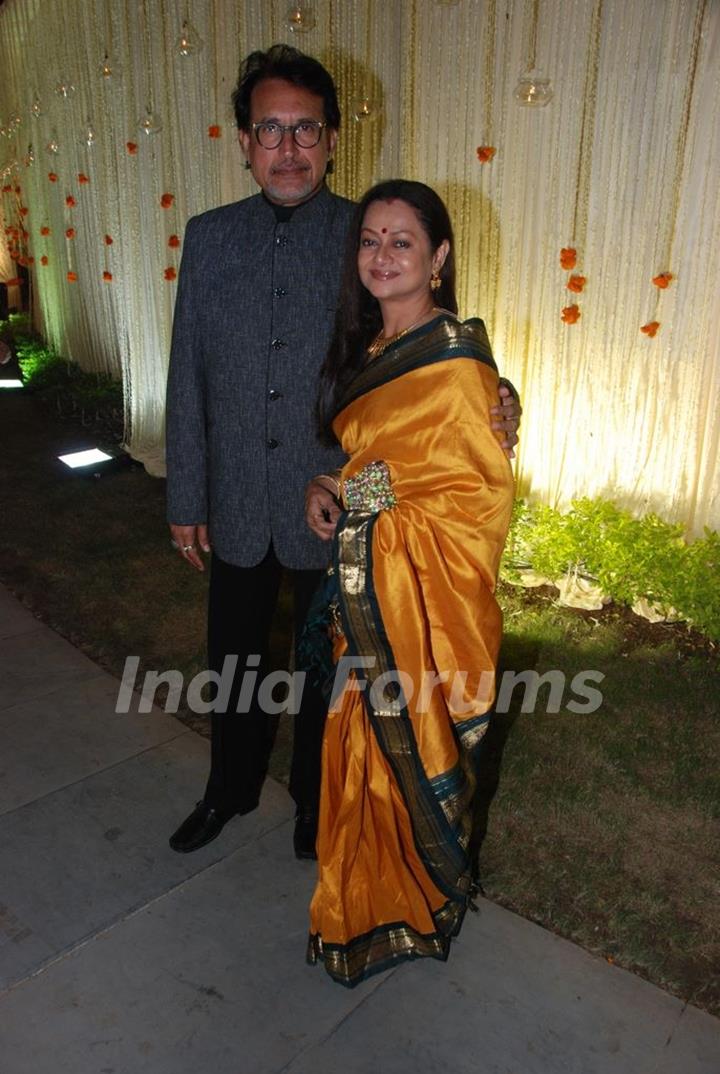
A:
(621, 167)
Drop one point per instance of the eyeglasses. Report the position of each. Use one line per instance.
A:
(305, 134)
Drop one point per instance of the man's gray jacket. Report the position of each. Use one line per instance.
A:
(253, 318)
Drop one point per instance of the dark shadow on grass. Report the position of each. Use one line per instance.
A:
(520, 653)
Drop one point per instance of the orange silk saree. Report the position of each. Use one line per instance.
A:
(428, 494)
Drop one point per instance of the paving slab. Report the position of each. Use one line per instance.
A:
(51, 741)
(209, 978)
(515, 999)
(78, 860)
(14, 619)
(37, 663)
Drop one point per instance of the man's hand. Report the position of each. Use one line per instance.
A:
(321, 507)
(507, 416)
(187, 540)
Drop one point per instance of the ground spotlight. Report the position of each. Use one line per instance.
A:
(94, 461)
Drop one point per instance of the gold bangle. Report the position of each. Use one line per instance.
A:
(334, 480)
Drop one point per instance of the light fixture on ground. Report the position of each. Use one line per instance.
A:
(11, 382)
(94, 461)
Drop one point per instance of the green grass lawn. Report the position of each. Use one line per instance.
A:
(603, 827)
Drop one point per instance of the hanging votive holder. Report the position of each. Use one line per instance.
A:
(532, 90)
(150, 123)
(53, 144)
(110, 69)
(88, 137)
(300, 19)
(189, 41)
(65, 88)
(363, 110)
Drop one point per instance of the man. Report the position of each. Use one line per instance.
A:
(253, 318)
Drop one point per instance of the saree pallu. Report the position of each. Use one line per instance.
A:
(428, 496)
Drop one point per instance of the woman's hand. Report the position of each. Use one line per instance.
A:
(507, 416)
(322, 509)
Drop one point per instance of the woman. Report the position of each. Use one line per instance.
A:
(427, 495)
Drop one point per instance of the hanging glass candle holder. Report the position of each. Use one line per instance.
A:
(363, 110)
(36, 107)
(300, 19)
(150, 122)
(533, 90)
(14, 121)
(88, 137)
(110, 68)
(29, 158)
(53, 144)
(64, 87)
(189, 41)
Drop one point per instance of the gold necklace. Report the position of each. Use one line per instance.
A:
(381, 342)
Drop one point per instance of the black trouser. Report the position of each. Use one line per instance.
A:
(241, 605)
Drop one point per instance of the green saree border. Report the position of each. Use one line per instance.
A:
(430, 343)
(441, 834)
(381, 948)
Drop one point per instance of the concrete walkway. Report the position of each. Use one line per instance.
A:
(118, 956)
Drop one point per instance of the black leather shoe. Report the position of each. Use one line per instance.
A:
(202, 826)
(305, 835)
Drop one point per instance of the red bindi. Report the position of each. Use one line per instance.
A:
(384, 230)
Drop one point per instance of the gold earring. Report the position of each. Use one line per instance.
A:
(435, 281)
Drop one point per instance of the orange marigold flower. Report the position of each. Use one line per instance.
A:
(25, 234)
(82, 178)
(70, 233)
(70, 201)
(568, 257)
(131, 148)
(650, 329)
(662, 280)
(485, 153)
(24, 210)
(173, 242)
(72, 277)
(170, 273)
(52, 176)
(44, 259)
(6, 189)
(166, 200)
(44, 230)
(576, 284)
(107, 276)
(108, 240)
(214, 131)
(30, 260)
(570, 314)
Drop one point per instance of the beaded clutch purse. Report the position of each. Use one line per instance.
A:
(369, 489)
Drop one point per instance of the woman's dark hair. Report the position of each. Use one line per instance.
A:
(358, 319)
(291, 65)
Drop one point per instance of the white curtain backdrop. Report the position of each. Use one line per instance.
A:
(622, 166)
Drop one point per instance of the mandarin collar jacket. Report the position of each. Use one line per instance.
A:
(253, 318)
